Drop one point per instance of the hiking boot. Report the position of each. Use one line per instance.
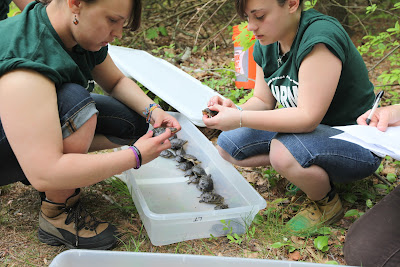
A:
(316, 214)
(71, 225)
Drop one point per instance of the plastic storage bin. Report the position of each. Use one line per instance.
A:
(169, 207)
(93, 258)
(180, 90)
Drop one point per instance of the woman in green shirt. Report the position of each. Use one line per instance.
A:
(53, 55)
(307, 63)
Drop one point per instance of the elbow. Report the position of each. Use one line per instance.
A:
(308, 125)
(310, 128)
(41, 183)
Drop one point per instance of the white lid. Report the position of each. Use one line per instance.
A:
(180, 90)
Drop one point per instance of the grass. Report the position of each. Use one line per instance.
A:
(265, 238)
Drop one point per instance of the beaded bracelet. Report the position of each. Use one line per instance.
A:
(149, 110)
(138, 156)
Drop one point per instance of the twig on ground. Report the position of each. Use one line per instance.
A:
(382, 59)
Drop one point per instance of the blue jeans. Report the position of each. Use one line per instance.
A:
(342, 160)
(76, 105)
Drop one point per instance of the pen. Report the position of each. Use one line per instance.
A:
(376, 103)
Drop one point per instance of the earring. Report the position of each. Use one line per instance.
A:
(75, 21)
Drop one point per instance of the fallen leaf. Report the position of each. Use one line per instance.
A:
(262, 182)
(250, 254)
(387, 170)
(252, 177)
(297, 240)
(254, 246)
(295, 256)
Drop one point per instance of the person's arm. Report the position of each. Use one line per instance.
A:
(319, 75)
(114, 82)
(21, 4)
(29, 114)
(382, 118)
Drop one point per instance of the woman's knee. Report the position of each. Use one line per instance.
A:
(80, 140)
(280, 157)
(225, 155)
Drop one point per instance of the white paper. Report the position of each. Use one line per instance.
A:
(378, 142)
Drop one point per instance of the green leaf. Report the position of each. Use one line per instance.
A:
(163, 31)
(230, 238)
(324, 231)
(321, 243)
(381, 186)
(278, 245)
(152, 33)
(332, 262)
(369, 203)
(350, 197)
(245, 37)
(351, 213)
(391, 177)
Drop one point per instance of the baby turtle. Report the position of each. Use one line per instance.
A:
(193, 180)
(199, 171)
(161, 130)
(177, 143)
(174, 136)
(184, 166)
(180, 159)
(205, 184)
(191, 158)
(180, 152)
(212, 198)
(167, 154)
(221, 207)
(210, 113)
(196, 171)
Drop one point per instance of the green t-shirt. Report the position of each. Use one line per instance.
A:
(33, 43)
(354, 94)
(4, 8)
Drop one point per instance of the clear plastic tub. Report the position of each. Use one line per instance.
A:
(169, 207)
(95, 258)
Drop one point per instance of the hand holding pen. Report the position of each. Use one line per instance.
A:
(374, 107)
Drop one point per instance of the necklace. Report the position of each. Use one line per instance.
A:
(280, 57)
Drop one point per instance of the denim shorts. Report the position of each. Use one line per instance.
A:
(342, 160)
(120, 124)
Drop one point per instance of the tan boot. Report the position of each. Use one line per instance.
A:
(316, 214)
(71, 225)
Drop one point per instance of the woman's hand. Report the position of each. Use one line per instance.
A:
(151, 147)
(162, 118)
(382, 118)
(228, 118)
(220, 101)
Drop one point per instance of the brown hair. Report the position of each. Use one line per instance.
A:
(133, 22)
(241, 6)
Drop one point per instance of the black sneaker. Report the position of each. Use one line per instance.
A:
(71, 225)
